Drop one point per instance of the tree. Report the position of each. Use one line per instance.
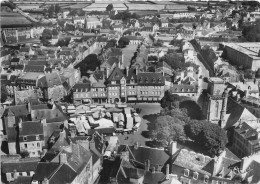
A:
(175, 60)
(24, 154)
(57, 8)
(137, 34)
(123, 41)
(55, 32)
(63, 42)
(158, 43)
(167, 128)
(171, 101)
(4, 93)
(69, 27)
(151, 69)
(51, 11)
(110, 43)
(127, 32)
(109, 7)
(212, 137)
(91, 62)
(152, 58)
(47, 34)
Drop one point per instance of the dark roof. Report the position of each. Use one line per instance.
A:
(24, 49)
(4, 52)
(153, 178)
(65, 52)
(31, 128)
(19, 166)
(64, 174)
(17, 67)
(116, 75)
(16, 60)
(98, 75)
(102, 39)
(18, 110)
(112, 60)
(34, 68)
(81, 87)
(23, 180)
(254, 171)
(45, 169)
(150, 78)
(37, 62)
(156, 156)
(248, 133)
(131, 75)
(134, 37)
(113, 52)
(183, 89)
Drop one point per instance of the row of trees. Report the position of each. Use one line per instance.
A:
(180, 121)
(252, 32)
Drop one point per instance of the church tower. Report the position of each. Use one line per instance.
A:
(215, 101)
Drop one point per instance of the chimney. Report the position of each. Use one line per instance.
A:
(147, 165)
(92, 145)
(167, 172)
(20, 124)
(45, 181)
(172, 147)
(43, 121)
(75, 149)
(16, 174)
(63, 158)
(136, 145)
(62, 134)
(108, 71)
(127, 71)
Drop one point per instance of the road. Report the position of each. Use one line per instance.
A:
(147, 109)
(203, 61)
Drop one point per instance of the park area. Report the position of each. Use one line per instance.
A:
(139, 136)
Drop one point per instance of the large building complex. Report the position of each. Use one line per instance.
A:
(243, 54)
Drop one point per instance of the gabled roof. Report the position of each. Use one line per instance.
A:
(153, 178)
(37, 62)
(45, 169)
(34, 68)
(16, 60)
(131, 75)
(150, 78)
(19, 166)
(183, 89)
(98, 75)
(24, 49)
(195, 162)
(81, 87)
(31, 128)
(156, 156)
(64, 174)
(116, 75)
(53, 79)
(254, 171)
(18, 110)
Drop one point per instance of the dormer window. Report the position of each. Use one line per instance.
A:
(186, 172)
(146, 80)
(113, 82)
(206, 179)
(195, 175)
(24, 138)
(153, 80)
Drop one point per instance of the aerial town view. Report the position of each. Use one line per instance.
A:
(130, 92)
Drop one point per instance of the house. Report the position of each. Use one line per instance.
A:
(92, 23)
(12, 169)
(11, 117)
(135, 39)
(5, 55)
(14, 61)
(101, 42)
(118, 28)
(34, 68)
(150, 86)
(196, 168)
(31, 137)
(29, 80)
(99, 92)
(26, 50)
(184, 90)
(164, 23)
(246, 139)
(82, 93)
(116, 86)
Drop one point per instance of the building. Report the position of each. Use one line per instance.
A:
(184, 90)
(246, 139)
(12, 169)
(135, 39)
(92, 22)
(31, 137)
(150, 86)
(82, 93)
(215, 103)
(243, 54)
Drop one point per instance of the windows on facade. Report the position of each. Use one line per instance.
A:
(186, 172)
(37, 137)
(38, 144)
(195, 175)
(24, 138)
(216, 108)
(206, 179)
(113, 82)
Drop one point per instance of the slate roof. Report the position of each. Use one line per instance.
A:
(24, 49)
(131, 75)
(18, 110)
(4, 52)
(81, 87)
(23, 180)
(98, 75)
(248, 132)
(134, 37)
(31, 128)
(15, 60)
(19, 166)
(183, 88)
(45, 169)
(254, 171)
(153, 178)
(150, 79)
(112, 60)
(116, 75)
(53, 79)
(113, 52)
(64, 174)
(34, 68)
(156, 156)
(37, 62)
